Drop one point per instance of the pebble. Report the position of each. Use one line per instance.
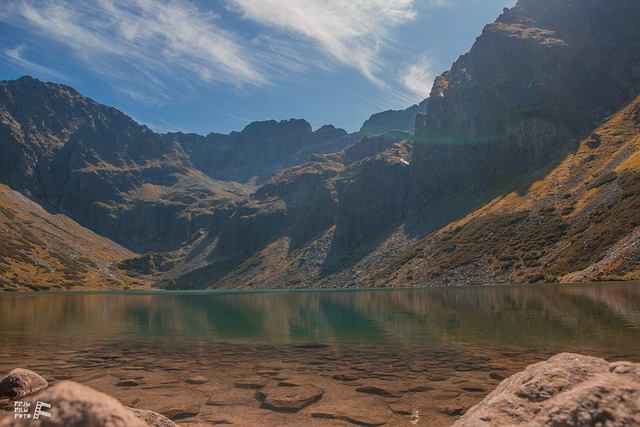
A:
(197, 380)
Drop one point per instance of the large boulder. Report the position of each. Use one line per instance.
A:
(76, 405)
(21, 382)
(566, 390)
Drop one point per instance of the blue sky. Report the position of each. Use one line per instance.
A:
(216, 65)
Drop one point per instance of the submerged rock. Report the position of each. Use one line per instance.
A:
(180, 413)
(359, 420)
(154, 419)
(197, 380)
(289, 399)
(21, 382)
(128, 383)
(384, 392)
(251, 383)
(566, 390)
(363, 413)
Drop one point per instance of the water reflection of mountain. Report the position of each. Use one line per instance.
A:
(551, 316)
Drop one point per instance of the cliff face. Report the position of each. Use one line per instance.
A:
(372, 196)
(536, 81)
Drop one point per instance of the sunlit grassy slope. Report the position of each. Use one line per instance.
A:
(41, 251)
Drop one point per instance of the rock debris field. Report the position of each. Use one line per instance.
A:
(206, 384)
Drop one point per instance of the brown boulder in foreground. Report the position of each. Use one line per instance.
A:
(21, 382)
(76, 405)
(566, 390)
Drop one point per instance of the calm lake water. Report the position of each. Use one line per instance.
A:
(437, 351)
(555, 317)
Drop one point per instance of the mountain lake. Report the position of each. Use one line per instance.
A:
(359, 357)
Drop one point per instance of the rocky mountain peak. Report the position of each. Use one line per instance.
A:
(261, 149)
(535, 81)
(393, 120)
(269, 127)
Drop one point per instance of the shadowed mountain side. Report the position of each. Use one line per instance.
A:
(330, 207)
(305, 224)
(99, 167)
(580, 222)
(40, 251)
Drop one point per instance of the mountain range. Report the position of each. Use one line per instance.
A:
(521, 166)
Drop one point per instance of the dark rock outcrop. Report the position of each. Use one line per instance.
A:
(21, 382)
(368, 146)
(372, 195)
(566, 390)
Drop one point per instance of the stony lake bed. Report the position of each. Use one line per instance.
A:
(383, 357)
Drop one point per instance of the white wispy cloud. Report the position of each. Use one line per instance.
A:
(17, 56)
(417, 77)
(159, 44)
(350, 32)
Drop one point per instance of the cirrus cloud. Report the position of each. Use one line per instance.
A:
(156, 50)
(157, 44)
(351, 32)
(417, 77)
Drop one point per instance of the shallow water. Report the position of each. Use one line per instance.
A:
(399, 356)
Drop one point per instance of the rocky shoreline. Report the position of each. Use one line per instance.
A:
(565, 390)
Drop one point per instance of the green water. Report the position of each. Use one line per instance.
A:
(592, 318)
